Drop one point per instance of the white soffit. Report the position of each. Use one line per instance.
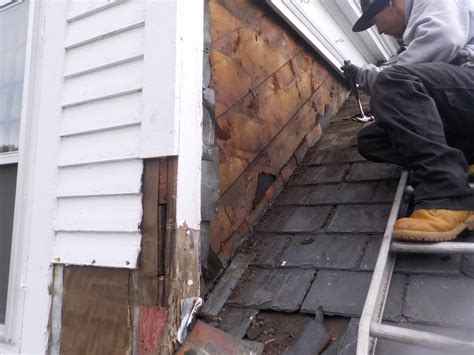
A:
(327, 26)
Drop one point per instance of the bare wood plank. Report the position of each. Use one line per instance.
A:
(245, 11)
(251, 125)
(170, 235)
(247, 57)
(222, 21)
(95, 314)
(163, 182)
(149, 226)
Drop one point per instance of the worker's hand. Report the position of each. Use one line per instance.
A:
(350, 70)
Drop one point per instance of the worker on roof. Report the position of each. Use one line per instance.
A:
(423, 106)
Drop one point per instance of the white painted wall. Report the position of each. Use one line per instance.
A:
(90, 117)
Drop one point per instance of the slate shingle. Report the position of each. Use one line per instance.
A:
(277, 289)
(368, 171)
(343, 293)
(236, 321)
(339, 194)
(268, 249)
(441, 301)
(324, 251)
(319, 175)
(294, 220)
(413, 263)
(359, 219)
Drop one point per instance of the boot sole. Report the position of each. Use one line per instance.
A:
(414, 236)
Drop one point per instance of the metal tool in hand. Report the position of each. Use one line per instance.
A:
(362, 117)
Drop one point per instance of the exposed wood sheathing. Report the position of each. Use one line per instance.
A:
(95, 315)
(99, 304)
(272, 95)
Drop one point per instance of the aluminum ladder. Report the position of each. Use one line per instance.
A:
(371, 327)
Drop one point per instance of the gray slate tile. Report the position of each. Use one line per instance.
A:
(413, 263)
(319, 175)
(343, 293)
(379, 192)
(440, 301)
(278, 289)
(347, 344)
(370, 254)
(342, 156)
(428, 264)
(236, 321)
(367, 171)
(269, 248)
(294, 220)
(347, 154)
(311, 340)
(324, 251)
(224, 287)
(359, 219)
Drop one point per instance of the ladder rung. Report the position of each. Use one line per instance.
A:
(420, 338)
(409, 189)
(433, 248)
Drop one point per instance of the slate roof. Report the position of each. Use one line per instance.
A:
(318, 244)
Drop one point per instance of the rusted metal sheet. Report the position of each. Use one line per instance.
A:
(151, 324)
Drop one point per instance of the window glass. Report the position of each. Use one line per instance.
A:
(13, 31)
(13, 27)
(7, 206)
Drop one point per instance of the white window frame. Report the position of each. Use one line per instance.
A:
(10, 332)
(6, 4)
(370, 46)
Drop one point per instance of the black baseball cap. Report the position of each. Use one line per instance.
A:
(370, 8)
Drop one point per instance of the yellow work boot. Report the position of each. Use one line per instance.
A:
(433, 225)
(471, 169)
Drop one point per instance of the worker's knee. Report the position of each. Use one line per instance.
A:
(366, 144)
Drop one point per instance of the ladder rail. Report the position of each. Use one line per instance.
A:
(370, 325)
(378, 289)
(421, 338)
(433, 248)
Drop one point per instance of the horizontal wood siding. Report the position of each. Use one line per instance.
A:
(272, 92)
(99, 206)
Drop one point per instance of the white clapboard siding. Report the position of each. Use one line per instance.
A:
(116, 19)
(109, 249)
(79, 9)
(125, 46)
(104, 83)
(103, 114)
(99, 214)
(116, 178)
(104, 146)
